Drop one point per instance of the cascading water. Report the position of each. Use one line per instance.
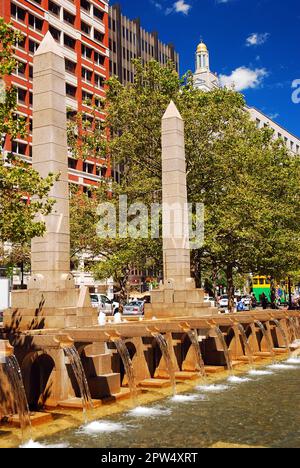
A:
(283, 334)
(76, 364)
(163, 345)
(248, 348)
(267, 338)
(225, 348)
(193, 336)
(18, 398)
(128, 366)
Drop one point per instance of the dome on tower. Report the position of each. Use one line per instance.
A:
(202, 48)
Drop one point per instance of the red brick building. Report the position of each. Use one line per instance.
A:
(81, 27)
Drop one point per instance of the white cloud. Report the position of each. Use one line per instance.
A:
(244, 78)
(181, 7)
(256, 39)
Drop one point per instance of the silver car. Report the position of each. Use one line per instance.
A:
(103, 304)
(135, 308)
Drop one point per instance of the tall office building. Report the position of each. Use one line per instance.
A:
(128, 40)
(81, 27)
(206, 80)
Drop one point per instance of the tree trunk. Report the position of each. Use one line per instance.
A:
(230, 288)
(215, 279)
(22, 275)
(197, 270)
(290, 293)
(273, 294)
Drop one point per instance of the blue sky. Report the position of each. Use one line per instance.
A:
(254, 42)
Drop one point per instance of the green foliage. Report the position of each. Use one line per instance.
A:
(247, 180)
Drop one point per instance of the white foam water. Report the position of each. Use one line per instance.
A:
(212, 388)
(294, 360)
(186, 398)
(255, 372)
(31, 444)
(143, 411)
(99, 427)
(282, 367)
(235, 379)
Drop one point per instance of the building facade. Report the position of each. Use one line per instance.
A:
(81, 28)
(206, 80)
(128, 40)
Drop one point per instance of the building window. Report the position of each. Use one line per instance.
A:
(69, 42)
(72, 163)
(33, 46)
(86, 52)
(18, 13)
(70, 90)
(99, 59)
(54, 8)
(98, 36)
(21, 94)
(21, 42)
(86, 74)
(35, 23)
(21, 69)
(99, 14)
(69, 18)
(55, 33)
(88, 168)
(99, 81)
(85, 5)
(18, 148)
(70, 66)
(85, 28)
(87, 98)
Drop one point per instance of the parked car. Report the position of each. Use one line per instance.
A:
(104, 304)
(210, 300)
(135, 308)
(223, 303)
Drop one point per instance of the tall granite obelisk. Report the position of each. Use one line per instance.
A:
(51, 301)
(51, 254)
(178, 296)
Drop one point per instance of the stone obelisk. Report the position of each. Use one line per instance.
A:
(176, 250)
(178, 296)
(51, 301)
(51, 254)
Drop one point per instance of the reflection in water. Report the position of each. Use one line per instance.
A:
(222, 417)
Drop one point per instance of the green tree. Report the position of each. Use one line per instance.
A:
(238, 171)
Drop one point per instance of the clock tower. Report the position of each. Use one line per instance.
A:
(204, 79)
